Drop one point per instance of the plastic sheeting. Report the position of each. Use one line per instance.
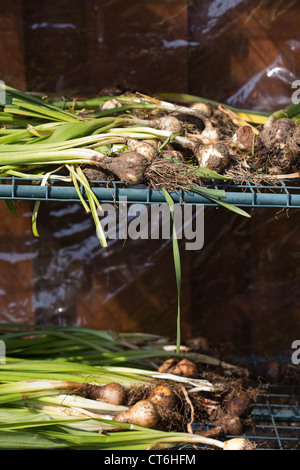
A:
(241, 288)
(245, 52)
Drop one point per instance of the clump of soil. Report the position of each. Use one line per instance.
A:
(223, 122)
(94, 173)
(168, 173)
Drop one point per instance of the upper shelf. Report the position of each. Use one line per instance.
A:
(286, 194)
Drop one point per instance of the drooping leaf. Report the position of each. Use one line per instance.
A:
(177, 264)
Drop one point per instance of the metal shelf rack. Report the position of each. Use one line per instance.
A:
(276, 415)
(286, 194)
(276, 418)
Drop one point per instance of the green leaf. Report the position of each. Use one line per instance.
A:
(111, 112)
(168, 140)
(231, 207)
(228, 206)
(205, 173)
(37, 204)
(17, 440)
(93, 203)
(11, 207)
(22, 424)
(34, 219)
(207, 191)
(10, 203)
(37, 104)
(74, 178)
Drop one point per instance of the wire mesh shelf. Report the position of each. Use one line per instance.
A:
(276, 419)
(285, 194)
(275, 415)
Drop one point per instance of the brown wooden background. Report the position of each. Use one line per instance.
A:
(242, 287)
(204, 47)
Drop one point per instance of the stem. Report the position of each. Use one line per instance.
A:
(181, 438)
(82, 402)
(103, 139)
(177, 263)
(289, 112)
(151, 133)
(109, 112)
(75, 183)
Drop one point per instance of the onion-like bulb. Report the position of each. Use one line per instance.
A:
(111, 104)
(146, 149)
(240, 405)
(238, 443)
(129, 167)
(112, 393)
(167, 123)
(202, 108)
(163, 396)
(278, 133)
(210, 134)
(213, 157)
(245, 139)
(186, 368)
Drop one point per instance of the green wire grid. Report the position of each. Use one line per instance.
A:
(276, 419)
(276, 414)
(285, 194)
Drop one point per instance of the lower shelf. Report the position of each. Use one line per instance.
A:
(284, 195)
(276, 419)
